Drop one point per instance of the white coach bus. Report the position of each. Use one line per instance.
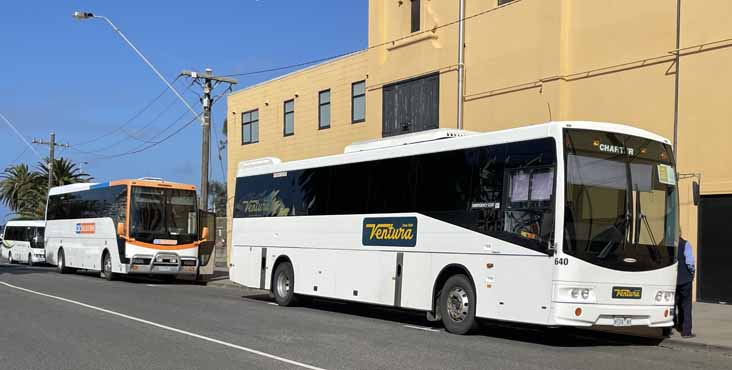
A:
(146, 226)
(22, 241)
(558, 224)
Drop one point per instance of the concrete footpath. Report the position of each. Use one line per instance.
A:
(712, 326)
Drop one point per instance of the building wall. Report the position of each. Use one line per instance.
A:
(527, 62)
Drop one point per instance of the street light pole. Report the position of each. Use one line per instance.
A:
(87, 15)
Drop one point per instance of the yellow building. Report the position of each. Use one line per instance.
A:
(525, 62)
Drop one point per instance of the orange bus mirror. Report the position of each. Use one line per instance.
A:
(204, 233)
(120, 229)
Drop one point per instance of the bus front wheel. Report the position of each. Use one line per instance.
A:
(457, 305)
(283, 284)
(30, 260)
(107, 267)
(61, 263)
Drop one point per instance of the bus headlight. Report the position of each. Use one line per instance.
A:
(585, 295)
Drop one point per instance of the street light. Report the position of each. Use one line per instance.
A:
(87, 15)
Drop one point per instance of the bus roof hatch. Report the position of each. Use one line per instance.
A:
(406, 139)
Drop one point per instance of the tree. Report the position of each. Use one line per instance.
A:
(217, 197)
(18, 188)
(24, 191)
(65, 172)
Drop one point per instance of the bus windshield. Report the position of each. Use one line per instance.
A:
(621, 208)
(163, 216)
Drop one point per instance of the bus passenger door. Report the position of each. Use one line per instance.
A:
(207, 248)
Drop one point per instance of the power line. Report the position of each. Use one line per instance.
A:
(127, 122)
(137, 114)
(28, 144)
(129, 136)
(385, 43)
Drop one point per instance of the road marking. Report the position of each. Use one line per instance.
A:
(273, 303)
(165, 327)
(422, 328)
(151, 285)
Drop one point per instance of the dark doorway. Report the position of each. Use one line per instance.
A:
(715, 249)
(411, 106)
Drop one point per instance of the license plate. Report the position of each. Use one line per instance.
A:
(622, 321)
(167, 268)
(621, 292)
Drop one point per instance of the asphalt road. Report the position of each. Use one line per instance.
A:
(52, 321)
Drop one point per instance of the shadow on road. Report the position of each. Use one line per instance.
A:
(555, 337)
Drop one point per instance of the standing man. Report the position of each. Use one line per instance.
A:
(684, 279)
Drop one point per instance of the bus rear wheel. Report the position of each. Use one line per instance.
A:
(107, 267)
(10, 258)
(30, 260)
(283, 284)
(457, 305)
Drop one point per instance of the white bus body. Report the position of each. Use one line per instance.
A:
(142, 226)
(22, 241)
(538, 220)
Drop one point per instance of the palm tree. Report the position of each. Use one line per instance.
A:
(65, 172)
(24, 191)
(18, 188)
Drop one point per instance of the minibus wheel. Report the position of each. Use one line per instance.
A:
(457, 306)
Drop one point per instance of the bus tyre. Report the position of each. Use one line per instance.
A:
(107, 267)
(457, 305)
(283, 284)
(10, 258)
(61, 263)
(30, 260)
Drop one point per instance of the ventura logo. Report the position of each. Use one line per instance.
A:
(390, 231)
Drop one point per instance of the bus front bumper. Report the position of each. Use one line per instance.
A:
(581, 314)
(173, 265)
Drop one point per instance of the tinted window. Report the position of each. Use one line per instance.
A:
(468, 188)
(95, 203)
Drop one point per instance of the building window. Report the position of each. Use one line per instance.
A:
(324, 109)
(250, 127)
(504, 2)
(411, 106)
(358, 102)
(289, 128)
(416, 15)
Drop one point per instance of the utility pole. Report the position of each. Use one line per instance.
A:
(51, 152)
(208, 81)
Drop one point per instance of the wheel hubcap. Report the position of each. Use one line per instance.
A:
(458, 304)
(283, 285)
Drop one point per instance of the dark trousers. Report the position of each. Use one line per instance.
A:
(682, 319)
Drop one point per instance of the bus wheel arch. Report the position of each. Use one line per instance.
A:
(447, 272)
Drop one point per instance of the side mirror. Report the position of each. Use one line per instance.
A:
(120, 229)
(696, 192)
(204, 233)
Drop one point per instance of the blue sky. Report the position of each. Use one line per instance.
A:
(79, 79)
